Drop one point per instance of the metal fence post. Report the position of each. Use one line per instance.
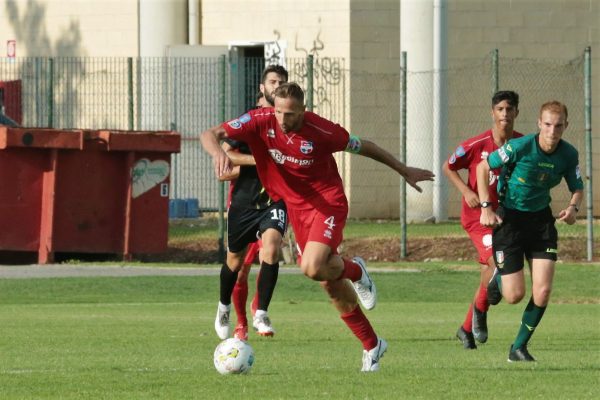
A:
(222, 105)
(50, 92)
(495, 72)
(403, 67)
(587, 67)
(309, 82)
(130, 91)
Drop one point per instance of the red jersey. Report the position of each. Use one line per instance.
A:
(297, 167)
(466, 156)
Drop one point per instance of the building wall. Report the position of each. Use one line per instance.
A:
(364, 32)
(79, 28)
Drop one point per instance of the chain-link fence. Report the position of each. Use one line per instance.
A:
(192, 94)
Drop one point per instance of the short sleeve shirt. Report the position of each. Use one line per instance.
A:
(467, 156)
(528, 173)
(297, 167)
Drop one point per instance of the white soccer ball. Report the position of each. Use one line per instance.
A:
(233, 356)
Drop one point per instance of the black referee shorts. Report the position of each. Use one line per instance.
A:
(522, 234)
(245, 225)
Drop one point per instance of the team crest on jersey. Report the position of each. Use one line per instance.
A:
(245, 118)
(327, 233)
(235, 124)
(460, 151)
(271, 133)
(306, 147)
(500, 259)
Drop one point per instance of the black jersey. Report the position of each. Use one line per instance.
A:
(247, 190)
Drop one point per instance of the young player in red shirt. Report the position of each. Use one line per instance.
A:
(293, 150)
(505, 108)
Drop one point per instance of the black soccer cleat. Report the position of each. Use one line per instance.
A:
(494, 295)
(466, 338)
(520, 354)
(480, 330)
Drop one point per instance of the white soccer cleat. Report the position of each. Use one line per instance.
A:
(365, 287)
(370, 359)
(262, 324)
(222, 321)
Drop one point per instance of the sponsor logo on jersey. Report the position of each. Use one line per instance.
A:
(503, 155)
(306, 147)
(281, 158)
(546, 165)
(271, 133)
(245, 118)
(452, 159)
(484, 155)
(460, 151)
(550, 250)
(235, 124)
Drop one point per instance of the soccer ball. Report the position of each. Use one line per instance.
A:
(233, 356)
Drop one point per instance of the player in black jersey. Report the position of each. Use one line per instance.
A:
(252, 216)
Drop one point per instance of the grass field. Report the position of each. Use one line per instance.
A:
(152, 338)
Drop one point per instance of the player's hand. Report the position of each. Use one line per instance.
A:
(489, 218)
(222, 163)
(568, 215)
(472, 199)
(414, 175)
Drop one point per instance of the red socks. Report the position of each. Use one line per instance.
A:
(351, 271)
(361, 327)
(481, 301)
(238, 298)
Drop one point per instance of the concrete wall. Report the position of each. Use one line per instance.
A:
(81, 28)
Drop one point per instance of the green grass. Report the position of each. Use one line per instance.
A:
(152, 337)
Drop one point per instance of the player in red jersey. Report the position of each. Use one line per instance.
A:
(505, 109)
(293, 149)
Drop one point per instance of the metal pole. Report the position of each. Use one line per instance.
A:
(130, 91)
(495, 72)
(403, 66)
(222, 105)
(440, 109)
(588, 152)
(309, 82)
(50, 92)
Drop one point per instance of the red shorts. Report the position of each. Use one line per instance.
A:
(323, 225)
(481, 237)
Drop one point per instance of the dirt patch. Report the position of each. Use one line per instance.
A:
(373, 249)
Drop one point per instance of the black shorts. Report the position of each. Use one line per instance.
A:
(245, 225)
(523, 234)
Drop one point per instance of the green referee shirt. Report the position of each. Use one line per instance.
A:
(528, 173)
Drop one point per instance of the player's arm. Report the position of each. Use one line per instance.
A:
(236, 157)
(471, 198)
(569, 214)
(369, 149)
(488, 216)
(210, 139)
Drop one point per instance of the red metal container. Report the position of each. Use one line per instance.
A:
(84, 191)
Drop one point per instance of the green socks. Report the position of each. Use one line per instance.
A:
(531, 318)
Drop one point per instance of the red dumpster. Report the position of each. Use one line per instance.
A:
(84, 191)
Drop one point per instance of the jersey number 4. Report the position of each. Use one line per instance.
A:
(330, 222)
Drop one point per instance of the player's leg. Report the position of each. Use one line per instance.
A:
(318, 236)
(254, 303)
(542, 273)
(239, 234)
(272, 227)
(542, 252)
(239, 296)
